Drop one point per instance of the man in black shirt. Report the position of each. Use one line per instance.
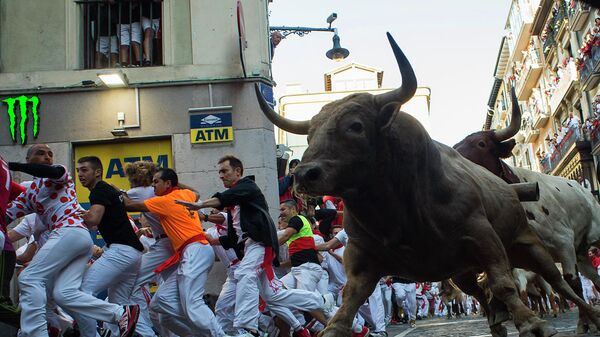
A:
(116, 270)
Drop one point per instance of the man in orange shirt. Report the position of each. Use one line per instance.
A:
(179, 299)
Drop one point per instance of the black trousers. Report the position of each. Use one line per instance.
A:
(8, 259)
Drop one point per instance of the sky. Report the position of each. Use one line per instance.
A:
(452, 46)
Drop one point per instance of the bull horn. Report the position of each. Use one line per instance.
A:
(409, 81)
(297, 127)
(515, 120)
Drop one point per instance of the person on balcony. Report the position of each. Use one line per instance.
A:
(573, 123)
(584, 182)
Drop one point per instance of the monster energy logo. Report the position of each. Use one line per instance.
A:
(12, 117)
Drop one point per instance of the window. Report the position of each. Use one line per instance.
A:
(121, 33)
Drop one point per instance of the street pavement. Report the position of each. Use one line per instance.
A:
(476, 326)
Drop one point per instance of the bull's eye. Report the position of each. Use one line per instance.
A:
(481, 144)
(356, 127)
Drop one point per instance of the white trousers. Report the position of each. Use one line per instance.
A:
(180, 298)
(306, 276)
(225, 306)
(373, 311)
(158, 253)
(115, 271)
(406, 297)
(423, 306)
(252, 281)
(60, 263)
(386, 297)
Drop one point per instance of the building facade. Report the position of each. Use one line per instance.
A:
(340, 82)
(187, 100)
(204, 59)
(549, 55)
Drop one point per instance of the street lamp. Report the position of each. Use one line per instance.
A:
(337, 53)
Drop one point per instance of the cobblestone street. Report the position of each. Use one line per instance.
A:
(475, 327)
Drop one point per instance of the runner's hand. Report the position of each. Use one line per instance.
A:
(190, 205)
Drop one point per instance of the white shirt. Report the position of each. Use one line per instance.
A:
(337, 274)
(342, 237)
(32, 226)
(142, 193)
(235, 214)
(226, 256)
(54, 200)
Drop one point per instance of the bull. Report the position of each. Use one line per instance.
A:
(566, 217)
(416, 208)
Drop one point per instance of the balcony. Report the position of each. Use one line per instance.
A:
(531, 134)
(595, 138)
(578, 15)
(540, 119)
(532, 68)
(567, 77)
(589, 75)
(121, 34)
(521, 20)
(554, 28)
(562, 149)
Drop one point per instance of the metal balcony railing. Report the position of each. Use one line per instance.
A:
(120, 33)
(578, 14)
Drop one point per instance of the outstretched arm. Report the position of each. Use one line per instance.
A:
(38, 170)
(329, 244)
(194, 206)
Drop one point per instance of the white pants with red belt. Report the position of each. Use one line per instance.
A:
(159, 252)
(116, 270)
(180, 299)
(254, 280)
(60, 264)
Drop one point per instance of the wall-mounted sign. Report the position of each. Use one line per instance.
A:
(25, 104)
(211, 125)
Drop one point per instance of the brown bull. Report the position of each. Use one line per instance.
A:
(408, 198)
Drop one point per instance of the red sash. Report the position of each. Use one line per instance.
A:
(177, 256)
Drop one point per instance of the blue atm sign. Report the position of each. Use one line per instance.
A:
(211, 127)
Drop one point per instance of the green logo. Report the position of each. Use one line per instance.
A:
(12, 117)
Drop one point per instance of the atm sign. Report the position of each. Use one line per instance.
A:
(211, 128)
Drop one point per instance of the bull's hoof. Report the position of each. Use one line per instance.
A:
(335, 330)
(582, 327)
(536, 327)
(593, 330)
(498, 330)
(499, 317)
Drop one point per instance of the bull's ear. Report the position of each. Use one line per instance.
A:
(505, 148)
(386, 114)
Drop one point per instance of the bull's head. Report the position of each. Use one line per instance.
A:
(485, 148)
(344, 136)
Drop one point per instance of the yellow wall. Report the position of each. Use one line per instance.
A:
(115, 156)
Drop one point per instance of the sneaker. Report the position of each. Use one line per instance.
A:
(128, 320)
(412, 323)
(105, 333)
(378, 334)
(301, 333)
(363, 333)
(328, 302)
